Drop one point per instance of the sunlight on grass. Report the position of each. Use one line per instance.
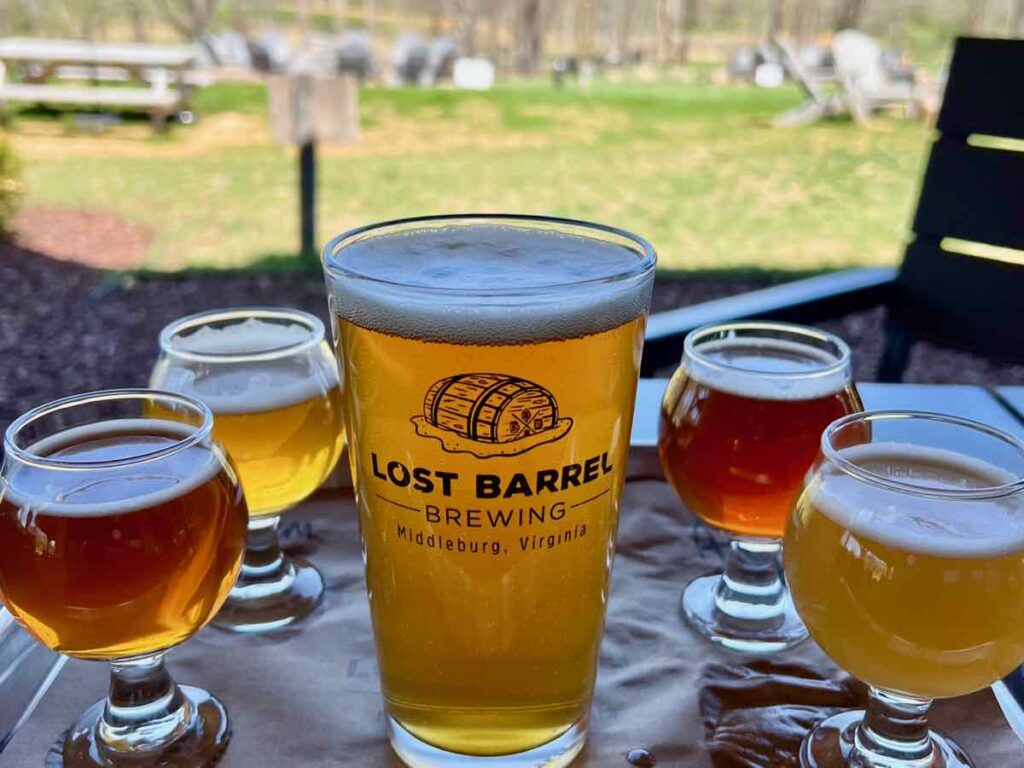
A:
(697, 169)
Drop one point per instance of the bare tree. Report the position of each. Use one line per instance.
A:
(727, 13)
(663, 31)
(530, 34)
(848, 14)
(190, 17)
(623, 28)
(1016, 17)
(976, 15)
(339, 14)
(689, 18)
(137, 15)
(370, 16)
(777, 20)
(583, 28)
(804, 19)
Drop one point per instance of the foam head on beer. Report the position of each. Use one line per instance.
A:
(248, 385)
(127, 548)
(483, 272)
(273, 390)
(907, 571)
(768, 369)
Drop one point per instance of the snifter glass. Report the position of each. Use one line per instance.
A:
(740, 424)
(489, 366)
(122, 526)
(905, 554)
(271, 381)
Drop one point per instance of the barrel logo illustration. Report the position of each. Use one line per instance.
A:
(490, 414)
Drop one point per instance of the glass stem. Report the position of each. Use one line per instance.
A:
(894, 731)
(145, 708)
(751, 587)
(264, 560)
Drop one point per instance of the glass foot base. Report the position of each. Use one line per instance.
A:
(201, 746)
(264, 605)
(832, 742)
(746, 628)
(556, 753)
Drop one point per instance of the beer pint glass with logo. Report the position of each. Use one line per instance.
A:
(740, 426)
(488, 371)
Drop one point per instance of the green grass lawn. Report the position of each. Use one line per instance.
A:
(697, 169)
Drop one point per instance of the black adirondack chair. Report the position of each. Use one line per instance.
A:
(972, 193)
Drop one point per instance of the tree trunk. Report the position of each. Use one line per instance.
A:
(727, 13)
(1016, 17)
(848, 14)
(976, 15)
(778, 18)
(804, 20)
(469, 12)
(688, 20)
(663, 31)
(339, 14)
(530, 29)
(370, 16)
(137, 14)
(583, 28)
(623, 28)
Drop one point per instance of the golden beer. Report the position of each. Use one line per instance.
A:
(279, 417)
(271, 381)
(283, 453)
(911, 593)
(488, 440)
(125, 561)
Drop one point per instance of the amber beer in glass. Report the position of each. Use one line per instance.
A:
(270, 379)
(905, 556)
(488, 369)
(740, 425)
(121, 535)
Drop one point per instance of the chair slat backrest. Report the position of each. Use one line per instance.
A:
(976, 194)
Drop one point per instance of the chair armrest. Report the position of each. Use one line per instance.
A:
(808, 300)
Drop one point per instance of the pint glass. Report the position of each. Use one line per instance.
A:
(488, 371)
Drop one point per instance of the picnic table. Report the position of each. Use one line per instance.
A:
(155, 78)
(310, 697)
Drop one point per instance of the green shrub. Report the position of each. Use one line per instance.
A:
(11, 189)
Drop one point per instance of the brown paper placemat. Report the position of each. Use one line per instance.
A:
(312, 699)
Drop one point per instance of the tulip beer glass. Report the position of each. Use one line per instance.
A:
(740, 426)
(121, 534)
(271, 381)
(905, 556)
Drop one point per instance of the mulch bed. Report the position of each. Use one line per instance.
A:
(90, 237)
(67, 328)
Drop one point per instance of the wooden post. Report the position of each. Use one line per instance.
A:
(305, 110)
(307, 202)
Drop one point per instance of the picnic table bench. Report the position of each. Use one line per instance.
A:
(163, 74)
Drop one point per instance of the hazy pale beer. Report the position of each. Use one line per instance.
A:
(489, 398)
(911, 593)
(905, 557)
(124, 561)
(279, 416)
(735, 444)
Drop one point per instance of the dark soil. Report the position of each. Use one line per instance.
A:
(66, 328)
